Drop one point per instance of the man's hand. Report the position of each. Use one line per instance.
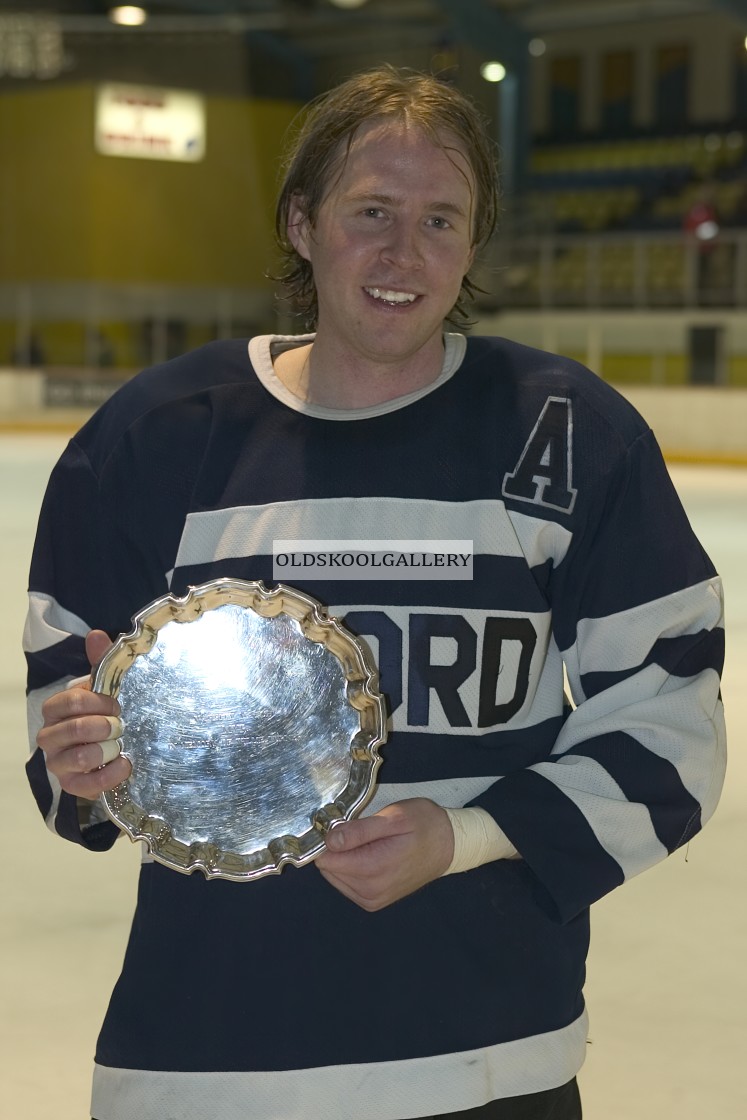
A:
(77, 722)
(374, 861)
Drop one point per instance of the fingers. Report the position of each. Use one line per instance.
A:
(97, 644)
(93, 783)
(84, 729)
(79, 705)
(390, 821)
(369, 901)
(80, 733)
(79, 741)
(377, 860)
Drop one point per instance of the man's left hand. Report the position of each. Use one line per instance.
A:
(374, 861)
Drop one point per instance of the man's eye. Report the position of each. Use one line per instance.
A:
(439, 223)
(372, 212)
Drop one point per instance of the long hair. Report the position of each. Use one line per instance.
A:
(322, 142)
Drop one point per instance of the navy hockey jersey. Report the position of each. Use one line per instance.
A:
(280, 998)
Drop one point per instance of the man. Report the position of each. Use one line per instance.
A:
(431, 962)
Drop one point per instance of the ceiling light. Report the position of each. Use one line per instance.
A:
(347, 3)
(537, 47)
(127, 15)
(493, 71)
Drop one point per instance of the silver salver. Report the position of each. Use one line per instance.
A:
(252, 722)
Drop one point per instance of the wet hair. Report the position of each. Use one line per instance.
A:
(322, 141)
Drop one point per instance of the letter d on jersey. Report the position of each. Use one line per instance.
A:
(480, 679)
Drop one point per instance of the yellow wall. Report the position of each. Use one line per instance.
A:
(45, 184)
(68, 213)
(737, 370)
(643, 369)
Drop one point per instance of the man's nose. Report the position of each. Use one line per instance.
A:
(402, 247)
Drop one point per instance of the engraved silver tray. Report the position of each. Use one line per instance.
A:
(252, 722)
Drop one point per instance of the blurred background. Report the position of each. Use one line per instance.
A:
(140, 151)
(139, 156)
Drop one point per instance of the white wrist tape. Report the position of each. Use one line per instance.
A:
(477, 840)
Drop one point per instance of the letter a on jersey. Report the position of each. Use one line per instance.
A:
(543, 473)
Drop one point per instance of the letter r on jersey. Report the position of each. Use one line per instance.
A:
(543, 474)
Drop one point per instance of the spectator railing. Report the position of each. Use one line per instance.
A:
(638, 270)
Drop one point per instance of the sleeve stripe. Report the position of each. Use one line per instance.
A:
(54, 664)
(620, 641)
(452, 792)
(540, 540)
(673, 717)
(679, 726)
(34, 702)
(686, 656)
(41, 780)
(636, 771)
(45, 786)
(60, 809)
(48, 623)
(693, 738)
(573, 866)
(624, 829)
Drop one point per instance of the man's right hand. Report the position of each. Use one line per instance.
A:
(78, 733)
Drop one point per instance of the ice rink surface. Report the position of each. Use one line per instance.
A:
(667, 984)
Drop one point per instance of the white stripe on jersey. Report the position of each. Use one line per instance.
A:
(623, 828)
(683, 720)
(621, 641)
(34, 703)
(35, 721)
(665, 715)
(671, 728)
(540, 540)
(451, 792)
(48, 623)
(251, 530)
(381, 1090)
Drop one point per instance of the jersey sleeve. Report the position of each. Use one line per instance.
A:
(639, 763)
(69, 594)
(107, 540)
(92, 568)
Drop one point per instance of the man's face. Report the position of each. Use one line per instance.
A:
(390, 246)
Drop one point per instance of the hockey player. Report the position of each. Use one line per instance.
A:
(432, 961)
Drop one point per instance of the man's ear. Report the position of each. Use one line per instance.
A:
(299, 227)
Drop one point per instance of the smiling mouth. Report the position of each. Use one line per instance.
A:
(389, 296)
